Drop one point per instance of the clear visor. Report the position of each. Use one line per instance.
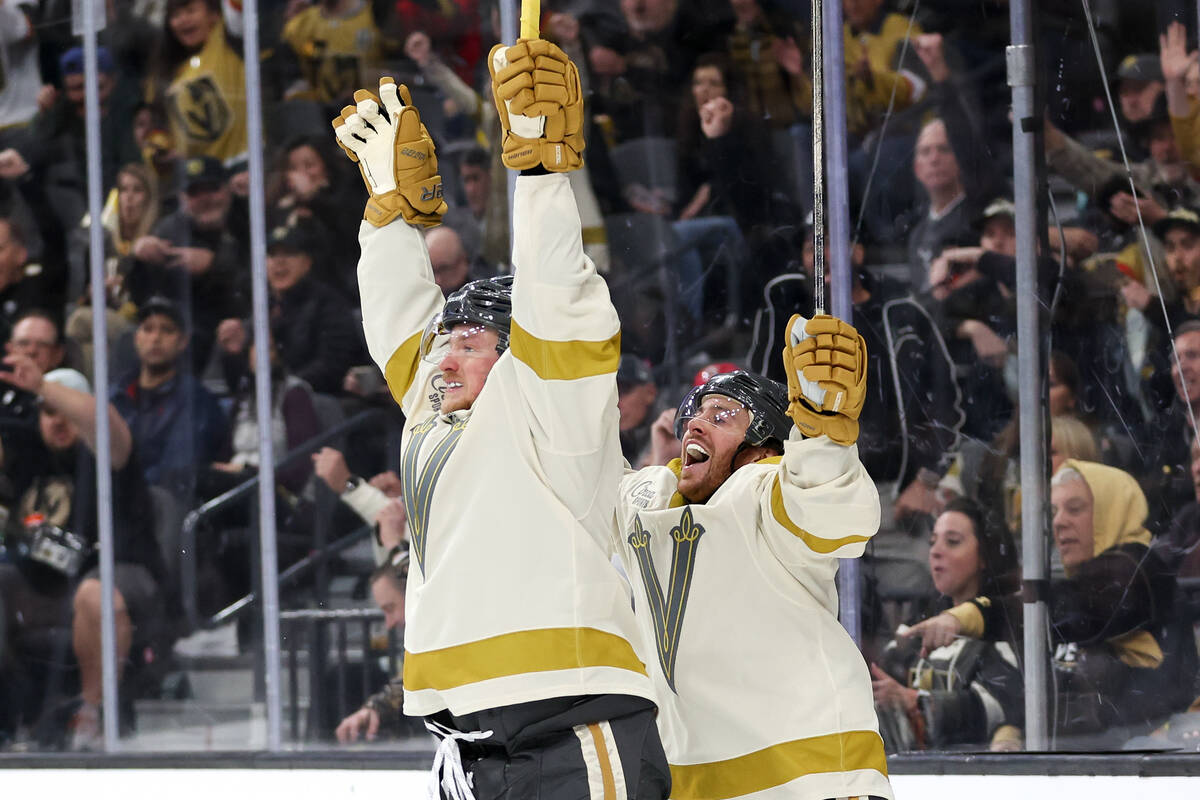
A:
(716, 411)
(465, 340)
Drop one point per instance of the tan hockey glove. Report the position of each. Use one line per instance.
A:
(538, 98)
(394, 154)
(826, 365)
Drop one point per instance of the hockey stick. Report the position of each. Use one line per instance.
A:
(818, 155)
(531, 13)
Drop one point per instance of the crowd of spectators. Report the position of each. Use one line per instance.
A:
(693, 203)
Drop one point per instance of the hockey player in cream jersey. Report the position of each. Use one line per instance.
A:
(732, 550)
(519, 645)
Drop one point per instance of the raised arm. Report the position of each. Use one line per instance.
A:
(565, 335)
(821, 502)
(384, 135)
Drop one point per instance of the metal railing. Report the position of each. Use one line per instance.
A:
(190, 541)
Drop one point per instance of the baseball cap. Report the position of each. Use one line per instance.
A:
(69, 378)
(1140, 67)
(1179, 217)
(1000, 207)
(633, 371)
(707, 373)
(293, 238)
(161, 305)
(71, 62)
(201, 170)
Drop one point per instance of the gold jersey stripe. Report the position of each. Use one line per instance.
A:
(402, 367)
(517, 654)
(778, 764)
(606, 771)
(564, 361)
(817, 544)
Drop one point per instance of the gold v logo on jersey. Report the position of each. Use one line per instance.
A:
(667, 610)
(419, 483)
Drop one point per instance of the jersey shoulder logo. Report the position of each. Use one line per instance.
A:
(667, 610)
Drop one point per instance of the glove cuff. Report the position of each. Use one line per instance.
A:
(838, 427)
(382, 209)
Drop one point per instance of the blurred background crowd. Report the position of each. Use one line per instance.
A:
(696, 205)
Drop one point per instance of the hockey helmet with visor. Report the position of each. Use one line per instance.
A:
(484, 304)
(763, 400)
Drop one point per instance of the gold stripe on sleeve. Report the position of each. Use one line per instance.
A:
(815, 543)
(778, 764)
(564, 361)
(516, 654)
(402, 367)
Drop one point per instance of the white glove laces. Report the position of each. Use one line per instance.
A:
(448, 773)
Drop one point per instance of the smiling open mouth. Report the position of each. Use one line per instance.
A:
(694, 454)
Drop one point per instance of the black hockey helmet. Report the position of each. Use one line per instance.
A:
(486, 302)
(767, 401)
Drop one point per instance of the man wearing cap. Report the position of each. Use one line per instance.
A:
(175, 422)
(192, 257)
(1139, 85)
(312, 326)
(54, 483)
(56, 149)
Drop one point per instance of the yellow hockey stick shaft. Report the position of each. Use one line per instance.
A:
(531, 15)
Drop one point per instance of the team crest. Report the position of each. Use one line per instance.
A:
(667, 609)
(201, 110)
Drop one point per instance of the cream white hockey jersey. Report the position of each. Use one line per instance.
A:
(761, 692)
(511, 594)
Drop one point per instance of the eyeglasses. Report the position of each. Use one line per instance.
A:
(32, 344)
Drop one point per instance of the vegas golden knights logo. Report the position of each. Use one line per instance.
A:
(420, 483)
(201, 109)
(667, 609)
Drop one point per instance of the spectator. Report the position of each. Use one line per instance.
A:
(726, 190)
(22, 286)
(57, 152)
(451, 266)
(1106, 617)
(1161, 180)
(192, 258)
(200, 78)
(176, 424)
(22, 73)
(129, 214)
(883, 77)
(764, 54)
(314, 193)
(637, 72)
(367, 499)
(1179, 547)
(969, 693)
(293, 421)
(382, 712)
(36, 337)
(469, 220)
(1167, 435)
(1181, 72)
(636, 396)
(337, 48)
(312, 325)
(55, 482)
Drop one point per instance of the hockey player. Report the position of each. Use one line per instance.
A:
(519, 645)
(732, 549)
